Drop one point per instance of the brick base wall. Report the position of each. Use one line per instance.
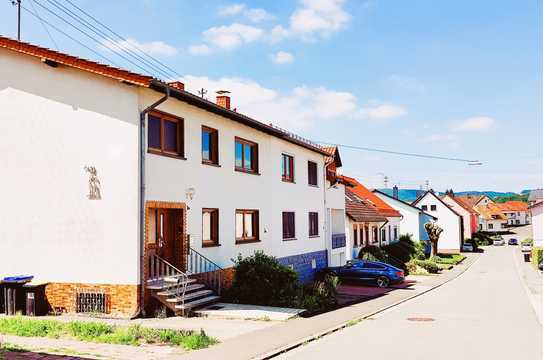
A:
(122, 300)
(302, 264)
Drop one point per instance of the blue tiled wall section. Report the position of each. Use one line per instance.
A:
(302, 264)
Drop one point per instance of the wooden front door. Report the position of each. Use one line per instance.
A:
(169, 235)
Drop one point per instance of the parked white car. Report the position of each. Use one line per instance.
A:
(526, 248)
(498, 242)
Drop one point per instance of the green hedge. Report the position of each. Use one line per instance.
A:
(537, 256)
(428, 265)
(527, 241)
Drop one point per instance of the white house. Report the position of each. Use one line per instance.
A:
(449, 220)
(516, 212)
(537, 223)
(461, 210)
(413, 218)
(117, 180)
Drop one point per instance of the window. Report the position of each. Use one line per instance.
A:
(246, 226)
(355, 237)
(368, 265)
(210, 146)
(424, 207)
(375, 235)
(246, 156)
(312, 178)
(517, 222)
(395, 233)
(491, 226)
(314, 224)
(289, 231)
(383, 235)
(165, 134)
(287, 169)
(433, 207)
(210, 227)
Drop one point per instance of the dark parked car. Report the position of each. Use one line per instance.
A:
(513, 241)
(381, 274)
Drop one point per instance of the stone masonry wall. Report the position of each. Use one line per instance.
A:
(303, 264)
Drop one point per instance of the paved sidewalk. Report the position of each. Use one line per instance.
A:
(271, 341)
(532, 280)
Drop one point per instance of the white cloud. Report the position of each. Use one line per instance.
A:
(283, 57)
(201, 49)
(278, 33)
(476, 123)
(155, 48)
(232, 36)
(318, 18)
(382, 111)
(407, 83)
(253, 14)
(300, 108)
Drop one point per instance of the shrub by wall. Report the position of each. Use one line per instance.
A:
(537, 256)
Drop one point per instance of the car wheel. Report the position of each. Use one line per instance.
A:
(383, 282)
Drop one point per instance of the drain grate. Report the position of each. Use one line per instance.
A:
(420, 319)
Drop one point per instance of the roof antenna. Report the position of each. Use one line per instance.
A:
(202, 92)
(18, 4)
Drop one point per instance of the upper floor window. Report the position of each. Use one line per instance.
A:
(312, 178)
(424, 207)
(433, 207)
(314, 224)
(246, 156)
(210, 227)
(289, 230)
(287, 168)
(246, 226)
(210, 145)
(165, 134)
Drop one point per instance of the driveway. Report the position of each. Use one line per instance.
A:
(483, 314)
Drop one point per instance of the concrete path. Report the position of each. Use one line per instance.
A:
(270, 341)
(483, 314)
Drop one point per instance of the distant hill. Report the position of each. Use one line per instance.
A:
(410, 195)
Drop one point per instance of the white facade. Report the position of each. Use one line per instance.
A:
(365, 238)
(413, 218)
(451, 238)
(466, 215)
(517, 217)
(336, 227)
(53, 123)
(537, 224)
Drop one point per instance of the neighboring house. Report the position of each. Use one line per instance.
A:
(537, 222)
(469, 215)
(516, 212)
(448, 219)
(363, 222)
(117, 180)
(536, 196)
(491, 218)
(413, 218)
(335, 225)
(388, 232)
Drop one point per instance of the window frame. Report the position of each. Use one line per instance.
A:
(290, 159)
(309, 163)
(424, 207)
(255, 223)
(293, 234)
(214, 145)
(254, 159)
(214, 230)
(180, 153)
(433, 207)
(316, 215)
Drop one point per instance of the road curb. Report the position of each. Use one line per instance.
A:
(536, 305)
(308, 339)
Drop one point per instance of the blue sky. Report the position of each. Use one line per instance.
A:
(453, 78)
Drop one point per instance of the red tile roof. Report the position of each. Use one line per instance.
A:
(463, 204)
(75, 62)
(469, 200)
(363, 193)
(513, 206)
(360, 210)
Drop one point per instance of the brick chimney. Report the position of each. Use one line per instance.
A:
(177, 84)
(223, 99)
(395, 192)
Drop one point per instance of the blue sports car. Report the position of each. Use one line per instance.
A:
(380, 273)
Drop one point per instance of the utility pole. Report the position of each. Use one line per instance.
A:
(18, 4)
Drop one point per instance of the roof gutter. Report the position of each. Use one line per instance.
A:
(143, 115)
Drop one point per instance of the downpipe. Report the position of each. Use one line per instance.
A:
(143, 115)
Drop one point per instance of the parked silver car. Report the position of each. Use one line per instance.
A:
(467, 247)
(498, 242)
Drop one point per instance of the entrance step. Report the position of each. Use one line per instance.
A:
(174, 291)
(200, 302)
(190, 296)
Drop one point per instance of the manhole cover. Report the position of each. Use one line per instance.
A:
(420, 319)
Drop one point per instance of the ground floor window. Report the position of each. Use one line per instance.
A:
(313, 224)
(247, 226)
(289, 226)
(210, 227)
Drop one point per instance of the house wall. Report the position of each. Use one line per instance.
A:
(409, 224)
(466, 215)
(226, 189)
(517, 217)
(54, 122)
(450, 239)
(537, 225)
(424, 218)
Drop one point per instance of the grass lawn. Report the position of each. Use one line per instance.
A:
(103, 333)
(450, 259)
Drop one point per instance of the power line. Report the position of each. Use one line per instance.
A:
(123, 39)
(109, 40)
(44, 27)
(403, 153)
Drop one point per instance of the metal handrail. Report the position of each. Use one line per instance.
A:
(160, 269)
(205, 270)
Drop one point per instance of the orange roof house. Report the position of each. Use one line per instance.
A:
(364, 193)
(513, 206)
